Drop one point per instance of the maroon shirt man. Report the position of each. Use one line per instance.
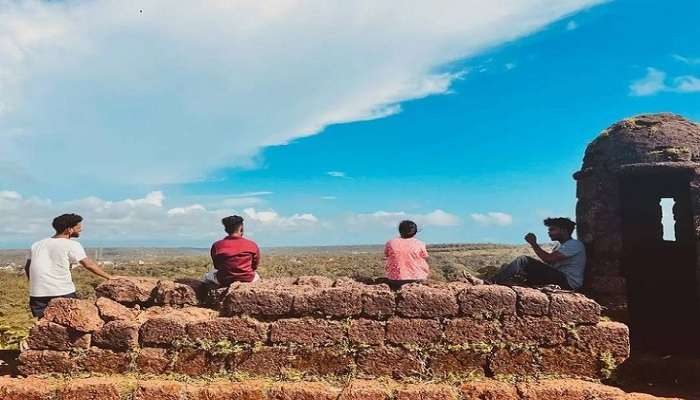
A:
(235, 258)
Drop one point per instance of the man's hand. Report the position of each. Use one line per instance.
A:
(531, 238)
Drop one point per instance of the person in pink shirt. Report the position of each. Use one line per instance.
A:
(406, 257)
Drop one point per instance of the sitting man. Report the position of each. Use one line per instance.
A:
(235, 258)
(563, 267)
(48, 267)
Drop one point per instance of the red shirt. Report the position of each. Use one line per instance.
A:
(235, 259)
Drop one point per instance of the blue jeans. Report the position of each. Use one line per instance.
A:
(39, 304)
(536, 273)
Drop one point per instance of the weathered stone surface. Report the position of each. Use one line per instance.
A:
(174, 294)
(47, 335)
(569, 361)
(310, 331)
(110, 310)
(573, 307)
(531, 301)
(81, 315)
(540, 330)
(195, 362)
(359, 389)
(470, 330)
(102, 361)
(487, 301)
(159, 390)
(117, 335)
(26, 389)
(413, 331)
(322, 361)
(518, 362)
(162, 331)
(366, 331)
(488, 390)
(151, 360)
(235, 329)
(90, 389)
(341, 301)
(388, 361)
(302, 391)
(263, 361)
(35, 362)
(127, 290)
(315, 281)
(568, 389)
(378, 301)
(606, 336)
(419, 301)
(248, 390)
(426, 392)
(185, 314)
(259, 301)
(458, 362)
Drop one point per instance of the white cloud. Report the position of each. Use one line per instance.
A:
(336, 174)
(392, 218)
(510, 66)
(571, 25)
(495, 218)
(142, 220)
(686, 60)
(652, 83)
(183, 88)
(686, 84)
(329, 197)
(655, 82)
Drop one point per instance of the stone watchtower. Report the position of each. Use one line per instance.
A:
(629, 171)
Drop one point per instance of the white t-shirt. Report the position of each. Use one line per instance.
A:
(49, 271)
(574, 265)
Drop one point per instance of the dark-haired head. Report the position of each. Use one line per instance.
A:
(560, 228)
(408, 229)
(233, 224)
(67, 223)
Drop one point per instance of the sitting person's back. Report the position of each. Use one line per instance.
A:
(405, 257)
(235, 258)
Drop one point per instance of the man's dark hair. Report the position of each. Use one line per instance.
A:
(561, 222)
(232, 223)
(408, 229)
(65, 221)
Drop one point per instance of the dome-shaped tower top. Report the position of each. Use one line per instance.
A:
(644, 140)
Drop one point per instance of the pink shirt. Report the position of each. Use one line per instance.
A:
(405, 259)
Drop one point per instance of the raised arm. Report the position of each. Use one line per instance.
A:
(94, 268)
(546, 257)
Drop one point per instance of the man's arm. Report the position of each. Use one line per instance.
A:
(546, 257)
(256, 258)
(26, 267)
(94, 268)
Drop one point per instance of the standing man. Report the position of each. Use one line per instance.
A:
(564, 266)
(235, 258)
(48, 269)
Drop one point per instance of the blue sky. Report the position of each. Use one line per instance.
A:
(477, 143)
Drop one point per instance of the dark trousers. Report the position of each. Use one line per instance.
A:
(535, 271)
(39, 304)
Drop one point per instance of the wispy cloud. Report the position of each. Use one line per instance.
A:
(510, 66)
(213, 106)
(686, 60)
(652, 83)
(495, 218)
(337, 174)
(571, 25)
(329, 197)
(655, 82)
(436, 217)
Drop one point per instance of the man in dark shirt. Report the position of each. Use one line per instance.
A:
(235, 258)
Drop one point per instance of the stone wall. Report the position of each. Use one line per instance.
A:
(121, 388)
(313, 326)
